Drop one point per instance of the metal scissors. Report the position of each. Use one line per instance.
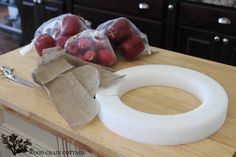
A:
(7, 72)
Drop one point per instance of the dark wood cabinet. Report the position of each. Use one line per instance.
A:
(50, 9)
(194, 28)
(196, 43)
(147, 9)
(29, 18)
(147, 15)
(35, 12)
(153, 29)
(207, 45)
(208, 17)
(229, 48)
(171, 17)
(207, 32)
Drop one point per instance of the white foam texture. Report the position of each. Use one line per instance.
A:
(177, 129)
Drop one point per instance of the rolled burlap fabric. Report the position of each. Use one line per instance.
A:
(72, 84)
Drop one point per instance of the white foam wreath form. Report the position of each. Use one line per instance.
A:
(163, 129)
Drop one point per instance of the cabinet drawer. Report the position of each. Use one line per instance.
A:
(153, 29)
(196, 43)
(51, 9)
(206, 17)
(153, 11)
(41, 140)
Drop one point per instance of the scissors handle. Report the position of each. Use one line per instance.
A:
(7, 72)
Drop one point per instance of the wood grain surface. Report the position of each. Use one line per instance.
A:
(33, 105)
(160, 100)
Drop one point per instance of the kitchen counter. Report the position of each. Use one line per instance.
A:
(34, 106)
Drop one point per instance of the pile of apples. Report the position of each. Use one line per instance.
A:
(120, 33)
(125, 38)
(92, 48)
(69, 26)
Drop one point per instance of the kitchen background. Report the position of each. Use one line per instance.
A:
(10, 25)
(201, 28)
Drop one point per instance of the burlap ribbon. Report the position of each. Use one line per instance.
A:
(72, 84)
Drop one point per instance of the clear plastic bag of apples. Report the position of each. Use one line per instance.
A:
(100, 46)
(56, 31)
(92, 46)
(125, 38)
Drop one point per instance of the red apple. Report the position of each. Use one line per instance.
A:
(132, 47)
(43, 41)
(106, 57)
(70, 25)
(98, 44)
(55, 33)
(119, 30)
(72, 48)
(85, 44)
(100, 41)
(60, 41)
(90, 56)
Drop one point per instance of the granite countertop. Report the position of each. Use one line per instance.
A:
(227, 3)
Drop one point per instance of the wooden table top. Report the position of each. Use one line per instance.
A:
(33, 105)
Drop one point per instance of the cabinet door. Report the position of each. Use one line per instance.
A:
(153, 29)
(229, 50)
(208, 17)
(30, 18)
(198, 43)
(148, 9)
(171, 24)
(42, 141)
(50, 9)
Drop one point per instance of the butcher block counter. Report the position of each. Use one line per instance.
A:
(34, 106)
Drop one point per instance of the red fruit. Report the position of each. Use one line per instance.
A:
(132, 47)
(101, 44)
(43, 41)
(72, 48)
(119, 30)
(85, 44)
(56, 33)
(90, 56)
(60, 41)
(106, 57)
(100, 41)
(70, 25)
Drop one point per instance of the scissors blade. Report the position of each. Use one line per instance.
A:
(20, 81)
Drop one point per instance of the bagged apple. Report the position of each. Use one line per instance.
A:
(91, 46)
(125, 37)
(56, 31)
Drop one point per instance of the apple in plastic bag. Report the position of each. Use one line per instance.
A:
(85, 44)
(100, 45)
(43, 41)
(106, 57)
(132, 47)
(70, 25)
(60, 41)
(72, 48)
(56, 33)
(120, 30)
(100, 42)
(90, 56)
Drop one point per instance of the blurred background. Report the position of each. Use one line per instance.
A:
(10, 26)
(200, 28)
